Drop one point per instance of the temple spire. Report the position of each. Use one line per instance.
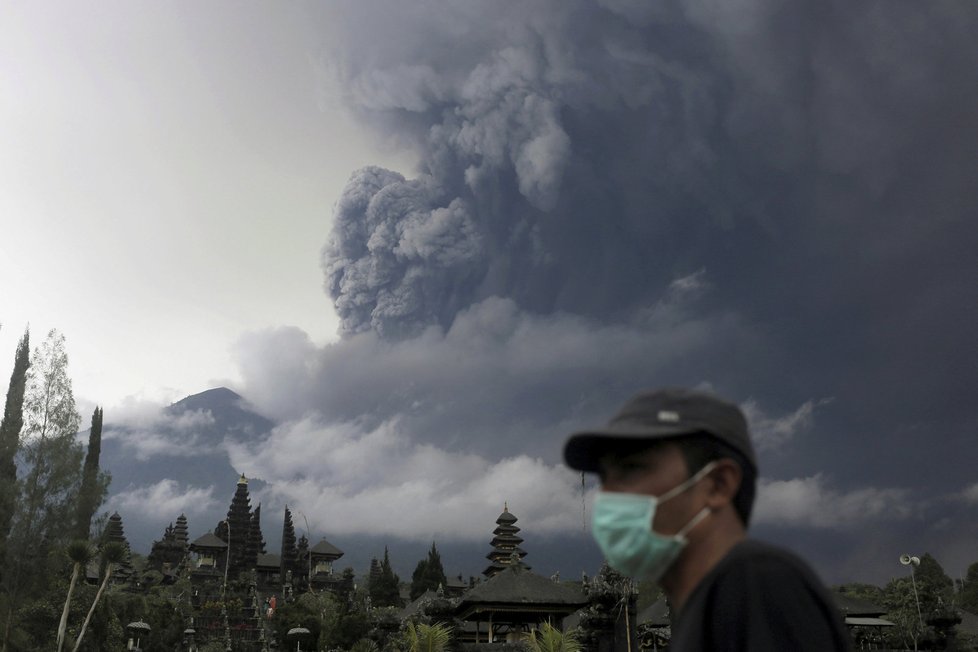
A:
(505, 544)
(238, 525)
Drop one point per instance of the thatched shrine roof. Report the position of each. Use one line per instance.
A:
(517, 590)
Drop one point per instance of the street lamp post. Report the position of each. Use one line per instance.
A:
(908, 560)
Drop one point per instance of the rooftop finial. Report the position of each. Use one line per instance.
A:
(242, 479)
(505, 506)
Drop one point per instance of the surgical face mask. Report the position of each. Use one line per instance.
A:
(622, 526)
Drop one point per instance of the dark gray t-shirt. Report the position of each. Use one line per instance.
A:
(759, 598)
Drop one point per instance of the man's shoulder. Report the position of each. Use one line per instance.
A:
(757, 551)
(764, 597)
(760, 560)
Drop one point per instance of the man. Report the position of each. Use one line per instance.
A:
(678, 476)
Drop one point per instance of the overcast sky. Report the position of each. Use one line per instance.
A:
(169, 173)
(431, 238)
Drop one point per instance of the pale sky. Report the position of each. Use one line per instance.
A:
(169, 171)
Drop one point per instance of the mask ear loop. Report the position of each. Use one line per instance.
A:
(693, 479)
(703, 513)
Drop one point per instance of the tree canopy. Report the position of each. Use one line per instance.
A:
(428, 574)
(385, 587)
(10, 427)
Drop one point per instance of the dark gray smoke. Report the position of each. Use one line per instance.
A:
(580, 156)
(775, 199)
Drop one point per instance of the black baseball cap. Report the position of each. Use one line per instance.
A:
(662, 414)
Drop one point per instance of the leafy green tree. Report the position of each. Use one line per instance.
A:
(968, 595)
(428, 574)
(52, 456)
(550, 639)
(317, 612)
(385, 628)
(94, 484)
(862, 591)
(350, 622)
(912, 599)
(934, 582)
(351, 626)
(902, 609)
(51, 460)
(10, 427)
(384, 587)
(164, 609)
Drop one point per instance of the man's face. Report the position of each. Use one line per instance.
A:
(652, 472)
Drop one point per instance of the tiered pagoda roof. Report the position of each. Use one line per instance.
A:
(114, 532)
(505, 545)
(180, 531)
(236, 528)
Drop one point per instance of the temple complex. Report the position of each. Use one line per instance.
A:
(232, 575)
(235, 582)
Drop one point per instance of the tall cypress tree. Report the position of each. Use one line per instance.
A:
(385, 589)
(289, 552)
(300, 578)
(428, 574)
(10, 427)
(92, 491)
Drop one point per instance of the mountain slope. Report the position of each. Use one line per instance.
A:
(170, 460)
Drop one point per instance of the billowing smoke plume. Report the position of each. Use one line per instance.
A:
(579, 156)
(773, 198)
(400, 253)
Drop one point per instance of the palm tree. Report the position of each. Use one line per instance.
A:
(113, 553)
(80, 552)
(365, 645)
(428, 638)
(550, 639)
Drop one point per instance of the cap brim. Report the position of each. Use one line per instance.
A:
(584, 450)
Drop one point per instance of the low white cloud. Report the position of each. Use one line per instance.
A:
(147, 415)
(351, 480)
(812, 502)
(161, 501)
(770, 432)
(146, 430)
(694, 282)
(970, 494)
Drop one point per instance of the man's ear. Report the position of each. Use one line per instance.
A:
(724, 482)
